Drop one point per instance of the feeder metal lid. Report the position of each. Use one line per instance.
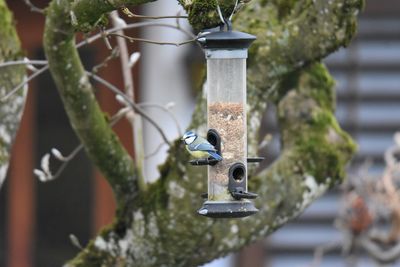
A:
(225, 40)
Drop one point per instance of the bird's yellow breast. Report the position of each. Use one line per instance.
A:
(198, 154)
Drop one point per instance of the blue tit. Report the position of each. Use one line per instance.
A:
(199, 147)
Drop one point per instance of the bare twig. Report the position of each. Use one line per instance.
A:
(320, 251)
(22, 84)
(67, 159)
(114, 54)
(155, 151)
(133, 39)
(168, 111)
(87, 41)
(127, 12)
(75, 241)
(133, 26)
(135, 120)
(381, 254)
(33, 7)
(23, 62)
(104, 36)
(133, 105)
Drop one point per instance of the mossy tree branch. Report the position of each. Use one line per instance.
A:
(84, 113)
(159, 227)
(10, 77)
(165, 230)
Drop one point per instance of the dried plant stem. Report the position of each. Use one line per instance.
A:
(135, 120)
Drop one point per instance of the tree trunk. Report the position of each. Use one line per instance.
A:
(10, 77)
(158, 227)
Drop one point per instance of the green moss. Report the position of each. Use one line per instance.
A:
(289, 82)
(284, 7)
(321, 85)
(9, 45)
(313, 142)
(85, 115)
(313, 132)
(321, 157)
(203, 13)
(155, 198)
(89, 14)
(91, 256)
(10, 77)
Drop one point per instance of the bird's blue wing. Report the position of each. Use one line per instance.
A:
(215, 155)
(205, 147)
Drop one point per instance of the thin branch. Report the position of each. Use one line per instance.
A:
(114, 54)
(168, 111)
(155, 151)
(158, 17)
(23, 62)
(134, 106)
(133, 26)
(320, 251)
(22, 84)
(104, 36)
(381, 254)
(135, 120)
(127, 12)
(67, 159)
(133, 39)
(79, 45)
(98, 36)
(33, 7)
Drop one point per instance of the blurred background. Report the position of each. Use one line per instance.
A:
(36, 218)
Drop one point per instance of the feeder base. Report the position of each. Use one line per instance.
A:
(227, 209)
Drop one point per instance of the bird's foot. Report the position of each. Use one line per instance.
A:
(203, 162)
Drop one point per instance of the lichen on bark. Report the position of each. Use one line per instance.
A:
(159, 227)
(11, 76)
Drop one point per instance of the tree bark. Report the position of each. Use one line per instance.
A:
(10, 77)
(159, 227)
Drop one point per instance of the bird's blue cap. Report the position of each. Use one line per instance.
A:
(188, 134)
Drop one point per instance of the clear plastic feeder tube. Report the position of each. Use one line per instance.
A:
(226, 101)
(226, 54)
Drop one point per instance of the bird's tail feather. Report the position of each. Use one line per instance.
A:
(215, 155)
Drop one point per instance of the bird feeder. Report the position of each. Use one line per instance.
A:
(226, 54)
